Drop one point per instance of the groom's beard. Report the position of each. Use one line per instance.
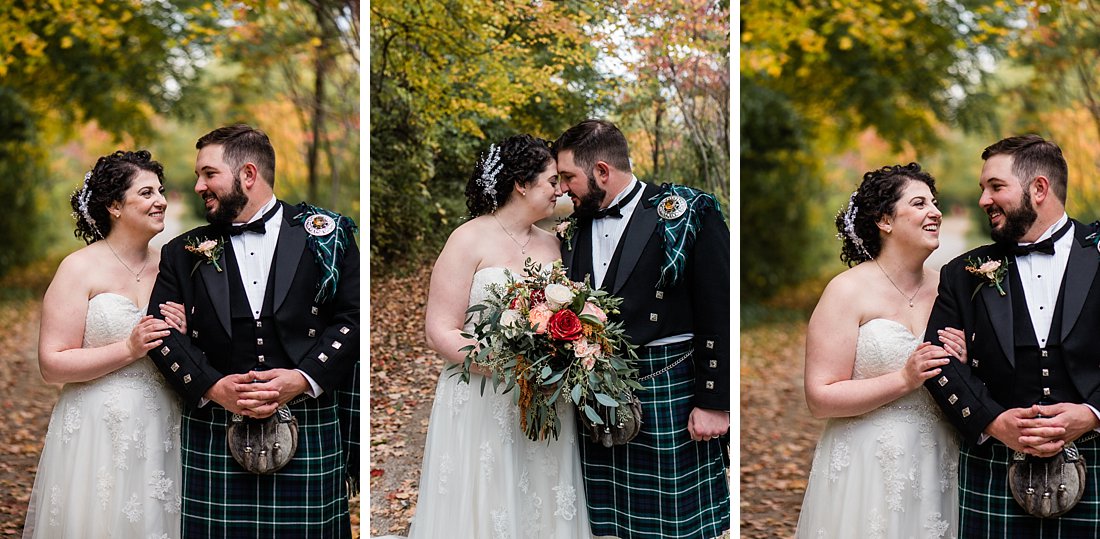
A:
(589, 204)
(1016, 222)
(229, 206)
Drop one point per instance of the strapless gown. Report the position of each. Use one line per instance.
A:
(889, 473)
(481, 477)
(110, 466)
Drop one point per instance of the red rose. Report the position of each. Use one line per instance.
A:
(565, 326)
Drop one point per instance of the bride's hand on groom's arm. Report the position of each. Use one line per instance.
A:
(146, 335)
(175, 315)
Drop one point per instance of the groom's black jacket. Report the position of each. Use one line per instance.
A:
(1006, 368)
(321, 339)
(700, 304)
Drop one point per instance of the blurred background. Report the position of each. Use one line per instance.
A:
(447, 78)
(832, 89)
(83, 78)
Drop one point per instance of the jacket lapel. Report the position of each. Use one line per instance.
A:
(1080, 272)
(999, 308)
(569, 247)
(642, 222)
(288, 252)
(217, 286)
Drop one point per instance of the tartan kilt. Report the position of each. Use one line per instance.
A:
(987, 509)
(306, 499)
(347, 411)
(662, 484)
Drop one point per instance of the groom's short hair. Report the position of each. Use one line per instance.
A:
(1033, 156)
(242, 144)
(595, 140)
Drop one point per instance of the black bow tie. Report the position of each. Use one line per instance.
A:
(614, 211)
(259, 225)
(1046, 246)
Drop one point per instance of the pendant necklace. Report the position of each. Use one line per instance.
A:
(522, 246)
(139, 272)
(907, 298)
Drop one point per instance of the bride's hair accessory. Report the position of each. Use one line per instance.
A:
(850, 225)
(82, 200)
(490, 167)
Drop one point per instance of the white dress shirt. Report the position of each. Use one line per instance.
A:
(606, 234)
(254, 253)
(1041, 278)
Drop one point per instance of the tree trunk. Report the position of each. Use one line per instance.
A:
(320, 65)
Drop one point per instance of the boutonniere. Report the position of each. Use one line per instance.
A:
(564, 230)
(211, 250)
(993, 271)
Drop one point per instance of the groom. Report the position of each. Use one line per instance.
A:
(665, 251)
(272, 299)
(1032, 383)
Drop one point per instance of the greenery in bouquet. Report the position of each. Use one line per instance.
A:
(545, 336)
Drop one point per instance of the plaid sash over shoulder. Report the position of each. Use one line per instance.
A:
(661, 485)
(327, 249)
(678, 233)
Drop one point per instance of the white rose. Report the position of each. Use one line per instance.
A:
(558, 296)
(510, 317)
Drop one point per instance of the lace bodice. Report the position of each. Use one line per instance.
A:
(111, 317)
(883, 346)
(479, 288)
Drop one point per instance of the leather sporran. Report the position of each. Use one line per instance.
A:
(620, 424)
(1047, 487)
(263, 446)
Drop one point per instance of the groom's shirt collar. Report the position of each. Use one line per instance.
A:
(260, 213)
(1050, 232)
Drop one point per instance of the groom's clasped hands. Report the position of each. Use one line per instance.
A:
(257, 394)
(1041, 430)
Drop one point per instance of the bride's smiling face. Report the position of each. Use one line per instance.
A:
(143, 204)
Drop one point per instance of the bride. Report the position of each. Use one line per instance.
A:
(481, 476)
(886, 463)
(111, 463)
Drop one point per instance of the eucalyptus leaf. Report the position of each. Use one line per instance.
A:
(592, 415)
(606, 400)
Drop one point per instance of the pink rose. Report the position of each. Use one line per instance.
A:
(592, 309)
(539, 316)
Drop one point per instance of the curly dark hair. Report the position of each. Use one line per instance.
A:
(521, 159)
(108, 181)
(876, 197)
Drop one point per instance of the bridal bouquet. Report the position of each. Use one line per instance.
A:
(548, 336)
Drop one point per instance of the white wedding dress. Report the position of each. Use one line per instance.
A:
(889, 473)
(482, 478)
(111, 462)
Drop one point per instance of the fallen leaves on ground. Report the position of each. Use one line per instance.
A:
(778, 434)
(404, 371)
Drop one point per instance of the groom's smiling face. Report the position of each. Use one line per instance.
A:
(218, 185)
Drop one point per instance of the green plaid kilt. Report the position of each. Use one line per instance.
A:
(306, 499)
(662, 484)
(347, 402)
(987, 509)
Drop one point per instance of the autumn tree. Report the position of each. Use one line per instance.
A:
(67, 62)
(676, 58)
(445, 79)
(829, 70)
